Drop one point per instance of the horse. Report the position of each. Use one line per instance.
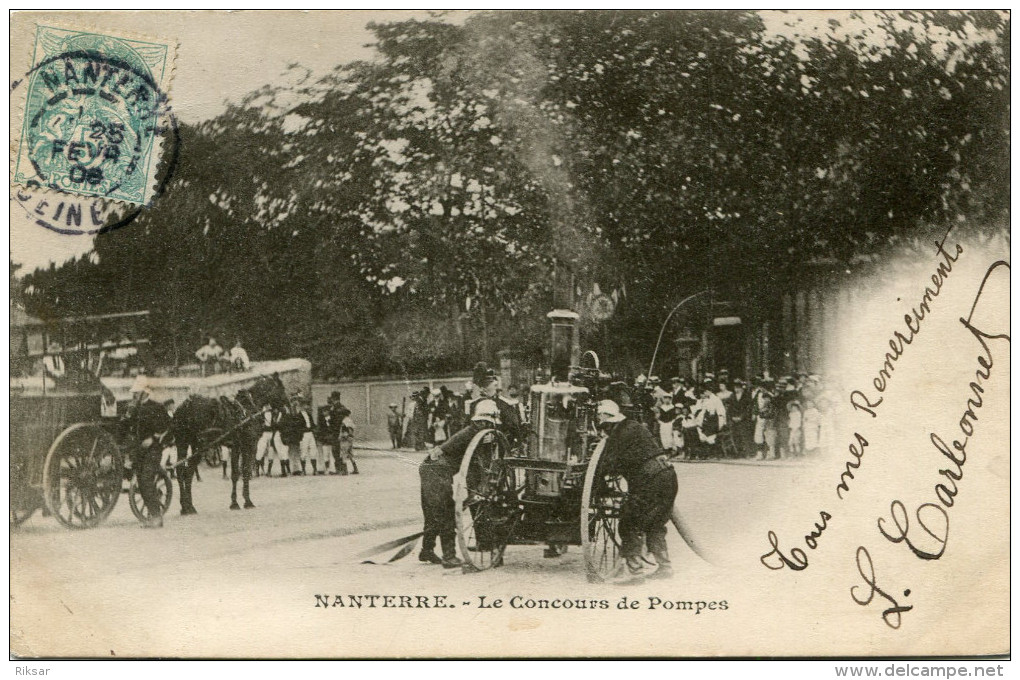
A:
(235, 423)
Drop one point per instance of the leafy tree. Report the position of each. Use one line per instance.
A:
(409, 213)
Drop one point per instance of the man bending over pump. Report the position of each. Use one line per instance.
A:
(633, 453)
(436, 472)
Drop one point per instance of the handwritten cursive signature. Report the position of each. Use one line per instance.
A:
(947, 488)
(893, 615)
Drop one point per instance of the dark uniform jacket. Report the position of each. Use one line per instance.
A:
(292, 428)
(666, 414)
(739, 410)
(327, 426)
(629, 448)
(455, 447)
(148, 419)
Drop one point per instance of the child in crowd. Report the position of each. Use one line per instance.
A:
(796, 420)
(812, 428)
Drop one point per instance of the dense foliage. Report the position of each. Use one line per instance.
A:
(408, 214)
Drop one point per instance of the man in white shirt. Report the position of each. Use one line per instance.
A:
(309, 449)
(238, 357)
(710, 415)
(208, 355)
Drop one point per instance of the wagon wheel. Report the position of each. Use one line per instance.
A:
(601, 500)
(164, 492)
(486, 505)
(82, 476)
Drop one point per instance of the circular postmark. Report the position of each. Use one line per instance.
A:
(99, 141)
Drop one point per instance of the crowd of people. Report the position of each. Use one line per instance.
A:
(432, 415)
(648, 424)
(297, 441)
(714, 417)
(767, 419)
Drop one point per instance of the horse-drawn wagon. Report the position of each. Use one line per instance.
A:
(68, 440)
(67, 444)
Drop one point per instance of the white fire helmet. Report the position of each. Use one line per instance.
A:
(609, 412)
(486, 410)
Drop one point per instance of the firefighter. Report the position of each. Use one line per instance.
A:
(632, 452)
(148, 423)
(436, 473)
(308, 445)
(268, 423)
(291, 429)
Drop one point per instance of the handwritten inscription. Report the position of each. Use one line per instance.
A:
(798, 559)
(863, 596)
(897, 344)
(937, 531)
(924, 528)
(901, 534)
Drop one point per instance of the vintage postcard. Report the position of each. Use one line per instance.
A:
(475, 334)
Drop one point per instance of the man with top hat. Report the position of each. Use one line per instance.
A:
(738, 412)
(487, 385)
(632, 452)
(436, 473)
(148, 423)
(337, 431)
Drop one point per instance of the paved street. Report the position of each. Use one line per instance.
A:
(243, 583)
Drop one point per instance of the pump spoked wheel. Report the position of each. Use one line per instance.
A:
(486, 504)
(601, 500)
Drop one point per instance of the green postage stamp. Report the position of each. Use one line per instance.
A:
(95, 114)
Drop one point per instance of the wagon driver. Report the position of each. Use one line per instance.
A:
(148, 423)
(632, 452)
